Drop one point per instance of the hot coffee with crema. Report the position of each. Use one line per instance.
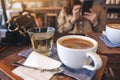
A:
(116, 26)
(76, 43)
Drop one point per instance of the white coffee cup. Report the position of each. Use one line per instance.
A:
(112, 33)
(79, 58)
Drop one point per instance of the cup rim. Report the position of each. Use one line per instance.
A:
(112, 28)
(95, 43)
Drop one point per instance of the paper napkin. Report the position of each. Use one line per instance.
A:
(81, 74)
(37, 60)
(109, 43)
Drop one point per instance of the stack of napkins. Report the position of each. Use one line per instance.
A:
(37, 60)
(81, 74)
(107, 42)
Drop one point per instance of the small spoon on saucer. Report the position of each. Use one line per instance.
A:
(58, 70)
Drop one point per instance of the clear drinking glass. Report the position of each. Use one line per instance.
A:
(42, 39)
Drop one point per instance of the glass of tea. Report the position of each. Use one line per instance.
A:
(42, 39)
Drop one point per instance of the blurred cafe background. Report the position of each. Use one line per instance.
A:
(48, 10)
(45, 12)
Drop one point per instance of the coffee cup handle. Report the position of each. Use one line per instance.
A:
(96, 60)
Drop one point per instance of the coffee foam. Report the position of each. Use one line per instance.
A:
(116, 26)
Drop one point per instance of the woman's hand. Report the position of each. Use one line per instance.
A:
(91, 17)
(76, 13)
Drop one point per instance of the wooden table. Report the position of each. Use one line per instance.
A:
(6, 64)
(113, 55)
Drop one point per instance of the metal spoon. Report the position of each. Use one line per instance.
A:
(58, 70)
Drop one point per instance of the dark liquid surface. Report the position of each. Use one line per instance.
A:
(76, 43)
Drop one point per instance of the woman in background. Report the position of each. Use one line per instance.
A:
(70, 19)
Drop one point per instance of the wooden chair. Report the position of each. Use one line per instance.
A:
(51, 19)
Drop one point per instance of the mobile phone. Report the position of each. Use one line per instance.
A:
(86, 5)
